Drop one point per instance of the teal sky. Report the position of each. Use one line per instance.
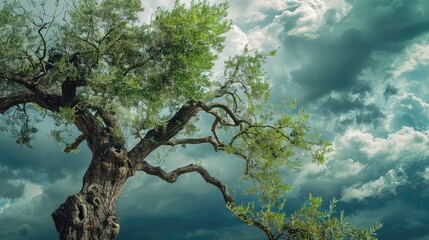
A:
(361, 70)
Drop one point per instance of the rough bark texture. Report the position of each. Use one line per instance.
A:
(90, 214)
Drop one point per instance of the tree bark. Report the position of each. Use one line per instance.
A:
(90, 213)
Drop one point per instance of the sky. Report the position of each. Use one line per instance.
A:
(360, 68)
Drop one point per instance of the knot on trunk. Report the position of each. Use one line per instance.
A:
(71, 213)
(113, 223)
(84, 216)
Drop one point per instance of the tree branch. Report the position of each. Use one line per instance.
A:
(160, 135)
(236, 120)
(208, 139)
(13, 100)
(78, 37)
(174, 175)
(43, 96)
(139, 64)
(17, 79)
(68, 90)
(214, 125)
(89, 126)
(75, 144)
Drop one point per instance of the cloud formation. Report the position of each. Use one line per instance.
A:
(359, 67)
(376, 188)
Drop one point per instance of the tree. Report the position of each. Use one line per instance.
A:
(92, 65)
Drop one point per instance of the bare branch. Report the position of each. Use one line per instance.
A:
(13, 100)
(75, 144)
(236, 120)
(208, 139)
(214, 125)
(42, 57)
(78, 37)
(174, 175)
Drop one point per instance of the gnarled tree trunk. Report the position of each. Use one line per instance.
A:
(90, 213)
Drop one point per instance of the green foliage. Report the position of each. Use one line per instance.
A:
(246, 70)
(189, 41)
(311, 223)
(146, 68)
(12, 37)
(67, 114)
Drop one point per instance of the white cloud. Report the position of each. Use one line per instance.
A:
(19, 206)
(415, 55)
(377, 164)
(303, 18)
(404, 145)
(249, 11)
(31, 190)
(407, 109)
(252, 10)
(376, 188)
(235, 41)
(425, 174)
(266, 38)
(310, 17)
(298, 18)
(5, 205)
(346, 168)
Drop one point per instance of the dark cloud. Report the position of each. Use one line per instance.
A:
(359, 159)
(389, 91)
(406, 216)
(188, 209)
(45, 159)
(410, 111)
(8, 190)
(24, 230)
(334, 65)
(335, 60)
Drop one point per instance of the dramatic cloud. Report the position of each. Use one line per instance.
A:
(377, 188)
(410, 110)
(361, 70)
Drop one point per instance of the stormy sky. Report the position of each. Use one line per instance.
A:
(361, 70)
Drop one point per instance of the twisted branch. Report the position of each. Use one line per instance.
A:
(172, 177)
(208, 139)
